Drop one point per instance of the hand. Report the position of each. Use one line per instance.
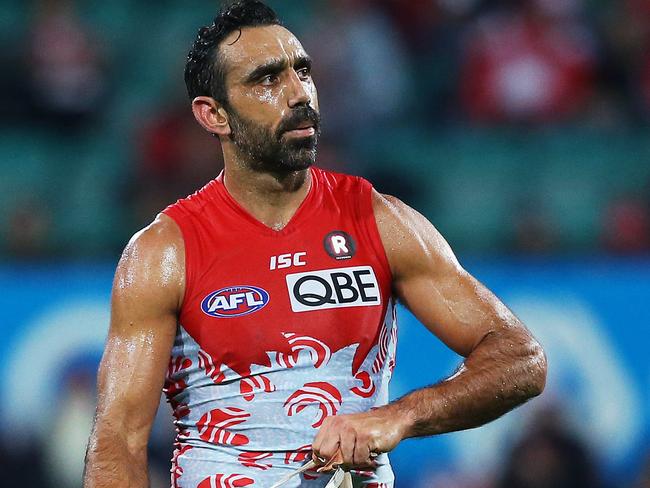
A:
(353, 440)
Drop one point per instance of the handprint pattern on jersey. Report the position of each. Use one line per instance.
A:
(367, 387)
(177, 470)
(213, 426)
(252, 459)
(318, 351)
(213, 370)
(282, 399)
(225, 481)
(254, 384)
(325, 396)
(176, 384)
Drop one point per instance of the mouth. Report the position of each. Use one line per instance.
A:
(305, 129)
(307, 132)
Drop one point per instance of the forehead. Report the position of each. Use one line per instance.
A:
(257, 45)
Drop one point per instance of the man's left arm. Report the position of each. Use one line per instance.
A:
(504, 365)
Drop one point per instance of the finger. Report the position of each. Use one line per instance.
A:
(318, 460)
(361, 455)
(318, 441)
(329, 447)
(348, 440)
(335, 460)
(317, 445)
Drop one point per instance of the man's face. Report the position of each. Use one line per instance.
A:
(272, 100)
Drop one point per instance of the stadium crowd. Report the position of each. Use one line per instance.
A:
(423, 67)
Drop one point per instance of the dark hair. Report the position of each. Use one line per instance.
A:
(205, 73)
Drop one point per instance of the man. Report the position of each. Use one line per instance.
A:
(273, 289)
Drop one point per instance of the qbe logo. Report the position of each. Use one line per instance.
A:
(235, 301)
(333, 288)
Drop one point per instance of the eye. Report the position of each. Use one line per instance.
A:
(304, 73)
(269, 79)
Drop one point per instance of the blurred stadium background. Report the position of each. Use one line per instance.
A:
(520, 128)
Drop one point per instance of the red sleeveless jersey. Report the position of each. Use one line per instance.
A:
(277, 331)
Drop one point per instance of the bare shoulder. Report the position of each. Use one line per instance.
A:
(163, 233)
(147, 288)
(153, 262)
(410, 240)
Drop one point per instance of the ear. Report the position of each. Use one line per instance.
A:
(211, 115)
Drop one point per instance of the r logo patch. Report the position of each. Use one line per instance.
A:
(339, 245)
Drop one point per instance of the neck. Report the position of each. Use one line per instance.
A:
(272, 197)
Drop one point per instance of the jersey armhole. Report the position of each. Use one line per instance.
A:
(178, 217)
(374, 237)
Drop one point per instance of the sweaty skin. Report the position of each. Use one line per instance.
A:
(504, 365)
(150, 279)
(147, 293)
(270, 197)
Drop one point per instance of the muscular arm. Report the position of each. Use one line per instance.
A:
(147, 292)
(504, 365)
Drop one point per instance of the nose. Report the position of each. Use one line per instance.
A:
(298, 92)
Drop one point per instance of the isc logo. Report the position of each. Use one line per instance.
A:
(287, 260)
(235, 301)
(333, 288)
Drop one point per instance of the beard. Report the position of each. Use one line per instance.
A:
(266, 149)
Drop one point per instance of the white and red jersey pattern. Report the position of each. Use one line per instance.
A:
(278, 331)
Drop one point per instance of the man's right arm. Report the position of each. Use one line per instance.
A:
(147, 294)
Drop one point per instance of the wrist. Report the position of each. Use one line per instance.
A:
(402, 417)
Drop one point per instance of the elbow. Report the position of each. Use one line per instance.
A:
(536, 367)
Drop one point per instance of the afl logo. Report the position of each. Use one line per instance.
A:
(235, 301)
